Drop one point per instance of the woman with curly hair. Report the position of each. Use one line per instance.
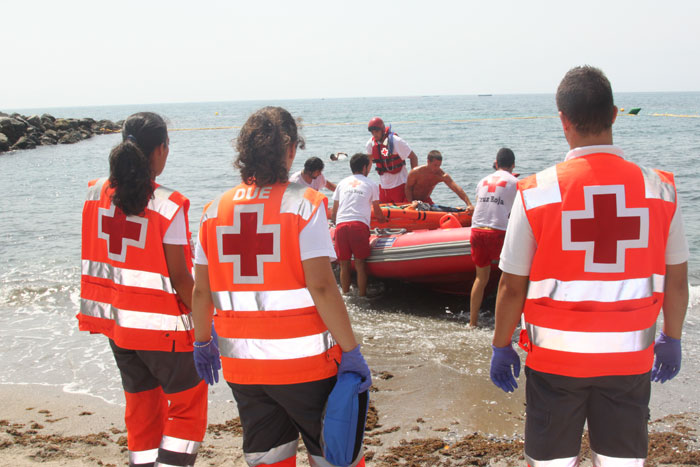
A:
(136, 289)
(262, 265)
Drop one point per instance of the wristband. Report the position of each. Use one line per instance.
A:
(201, 346)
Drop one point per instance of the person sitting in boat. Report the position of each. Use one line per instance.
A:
(422, 180)
(494, 198)
(353, 202)
(389, 154)
(312, 175)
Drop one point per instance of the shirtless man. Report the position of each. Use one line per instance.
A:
(422, 180)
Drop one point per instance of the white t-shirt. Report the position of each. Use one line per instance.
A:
(494, 199)
(354, 195)
(401, 148)
(519, 245)
(317, 183)
(314, 240)
(176, 233)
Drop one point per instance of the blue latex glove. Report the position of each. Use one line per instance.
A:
(354, 362)
(206, 359)
(667, 363)
(502, 360)
(214, 336)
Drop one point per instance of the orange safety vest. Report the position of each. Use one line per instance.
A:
(385, 162)
(269, 329)
(597, 277)
(125, 288)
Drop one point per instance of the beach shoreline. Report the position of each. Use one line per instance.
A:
(44, 425)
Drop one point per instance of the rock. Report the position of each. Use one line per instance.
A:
(47, 140)
(70, 138)
(4, 143)
(12, 128)
(34, 121)
(48, 117)
(62, 124)
(24, 142)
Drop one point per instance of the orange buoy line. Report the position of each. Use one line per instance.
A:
(675, 115)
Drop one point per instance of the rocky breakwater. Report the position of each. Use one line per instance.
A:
(22, 132)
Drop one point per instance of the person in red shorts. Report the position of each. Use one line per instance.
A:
(494, 199)
(353, 201)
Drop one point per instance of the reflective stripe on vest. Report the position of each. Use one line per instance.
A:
(654, 187)
(161, 203)
(274, 455)
(590, 342)
(136, 319)
(276, 349)
(273, 300)
(127, 277)
(294, 202)
(597, 291)
(546, 192)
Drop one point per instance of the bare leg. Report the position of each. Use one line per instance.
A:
(477, 295)
(361, 269)
(345, 275)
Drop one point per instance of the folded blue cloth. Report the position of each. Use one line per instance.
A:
(344, 421)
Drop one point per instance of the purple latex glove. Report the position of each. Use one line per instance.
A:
(206, 359)
(667, 363)
(502, 360)
(354, 362)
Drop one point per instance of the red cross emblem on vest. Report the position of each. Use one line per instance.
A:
(605, 229)
(493, 183)
(120, 232)
(248, 243)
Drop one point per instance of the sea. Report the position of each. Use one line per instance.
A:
(404, 326)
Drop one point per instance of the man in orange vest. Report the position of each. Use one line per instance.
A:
(595, 248)
(389, 154)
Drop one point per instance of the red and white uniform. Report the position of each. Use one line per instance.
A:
(271, 337)
(126, 294)
(317, 183)
(594, 235)
(355, 195)
(388, 180)
(494, 200)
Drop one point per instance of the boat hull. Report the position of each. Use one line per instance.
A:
(439, 258)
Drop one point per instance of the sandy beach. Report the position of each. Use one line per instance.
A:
(44, 425)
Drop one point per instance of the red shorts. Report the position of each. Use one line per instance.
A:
(352, 238)
(486, 246)
(396, 195)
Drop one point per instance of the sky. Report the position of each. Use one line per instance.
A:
(83, 53)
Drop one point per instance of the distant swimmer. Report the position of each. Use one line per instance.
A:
(339, 156)
(136, 289)
(494, 199)
(312, 175)
(389, 154)
(422, 180)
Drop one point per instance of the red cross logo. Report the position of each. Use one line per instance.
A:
(120, 232)
(493, 183)
(605, 228)
(354, 183)
(385, 151)
(248, 243)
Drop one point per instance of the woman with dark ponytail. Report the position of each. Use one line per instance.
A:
(263, 266)
(136, 289)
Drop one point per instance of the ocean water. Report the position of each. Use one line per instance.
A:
(42, 192)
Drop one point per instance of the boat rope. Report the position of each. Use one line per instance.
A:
(405, 122)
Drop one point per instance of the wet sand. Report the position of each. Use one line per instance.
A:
(42, 424)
